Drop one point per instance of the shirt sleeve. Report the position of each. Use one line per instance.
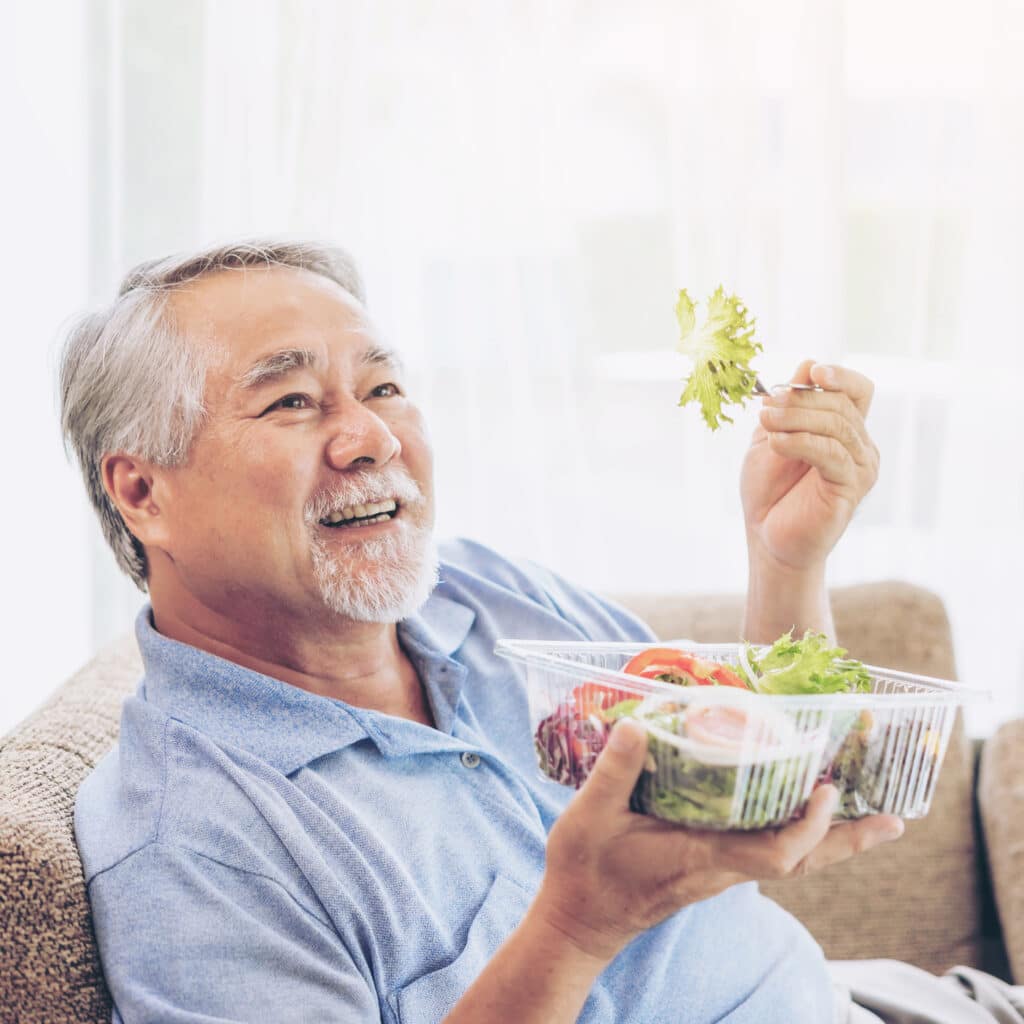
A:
(597, 618)
(185, 939)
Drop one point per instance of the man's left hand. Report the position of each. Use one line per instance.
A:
(810, 463)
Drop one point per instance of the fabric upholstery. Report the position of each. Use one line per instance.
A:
(1001, 802)
(49, 970)
(918, 899)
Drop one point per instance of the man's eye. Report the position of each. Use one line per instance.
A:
(388, 390)
(291, 402)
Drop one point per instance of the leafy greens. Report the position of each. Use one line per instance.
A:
(721, 349)
(806, 666)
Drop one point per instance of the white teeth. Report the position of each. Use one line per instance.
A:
(356, 523)
(375, 512)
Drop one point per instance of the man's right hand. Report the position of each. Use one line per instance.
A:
(612, 874)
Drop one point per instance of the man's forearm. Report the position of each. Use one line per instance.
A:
(537, 976)
(780, 598)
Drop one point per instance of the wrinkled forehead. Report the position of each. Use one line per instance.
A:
(236, 316)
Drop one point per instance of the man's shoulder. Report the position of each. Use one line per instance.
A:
(165, 783)
(117, 806)
(478, 575)
(483, 574)
(465, 559)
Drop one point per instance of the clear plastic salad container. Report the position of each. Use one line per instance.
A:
(726, 758)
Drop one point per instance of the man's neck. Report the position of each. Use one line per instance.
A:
(361, 663)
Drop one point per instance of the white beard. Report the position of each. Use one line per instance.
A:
(382, 579)
(394, 578)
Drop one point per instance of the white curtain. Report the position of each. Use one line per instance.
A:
(527, 185)
(45, 563)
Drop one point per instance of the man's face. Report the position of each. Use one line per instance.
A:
(308, 488)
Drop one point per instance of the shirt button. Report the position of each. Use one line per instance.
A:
(469, 759)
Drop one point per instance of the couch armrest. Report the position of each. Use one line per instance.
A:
(1001, 803)
(49, 967)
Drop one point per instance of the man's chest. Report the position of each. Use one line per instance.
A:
(407, 848)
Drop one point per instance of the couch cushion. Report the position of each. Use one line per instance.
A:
(918, 899)
(49, 970)
(1001, 802)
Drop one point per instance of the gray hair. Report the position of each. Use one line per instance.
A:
(130, 382)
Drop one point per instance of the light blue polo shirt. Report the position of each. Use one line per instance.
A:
(254, 852)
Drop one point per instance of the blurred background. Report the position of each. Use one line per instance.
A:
(526, 186)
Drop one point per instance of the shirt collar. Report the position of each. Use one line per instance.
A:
(281, 724)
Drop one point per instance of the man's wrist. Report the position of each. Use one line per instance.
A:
(582, 949)
(782, 597)
(539, 975)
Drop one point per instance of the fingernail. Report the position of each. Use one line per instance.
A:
(779, 390)
(894, 830)
(625, 738)
(827, 375)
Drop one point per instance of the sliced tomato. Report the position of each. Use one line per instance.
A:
(593, 698)
(725, 676)
(717, 726)
(683, 669)
(680, 667)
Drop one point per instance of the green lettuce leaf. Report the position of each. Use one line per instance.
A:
(806, 666)
(621, 709)
(721, 349)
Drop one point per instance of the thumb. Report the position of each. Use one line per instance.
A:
(618, 767)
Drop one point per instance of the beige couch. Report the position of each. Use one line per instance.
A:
(927, 899)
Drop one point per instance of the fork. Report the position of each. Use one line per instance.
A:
(760, 389)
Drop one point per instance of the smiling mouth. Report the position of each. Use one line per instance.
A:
(361, 515)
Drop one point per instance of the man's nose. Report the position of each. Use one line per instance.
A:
(360, 437)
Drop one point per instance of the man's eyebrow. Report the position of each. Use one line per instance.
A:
(378, 355)
(276, 365)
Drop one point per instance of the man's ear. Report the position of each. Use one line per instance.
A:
(129, 483)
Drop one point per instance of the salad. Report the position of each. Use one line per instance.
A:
(807, 666)
(872, 753)
(714, 762)
(569, 740)
(724, 766)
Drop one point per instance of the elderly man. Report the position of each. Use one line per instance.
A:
(323, 804)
